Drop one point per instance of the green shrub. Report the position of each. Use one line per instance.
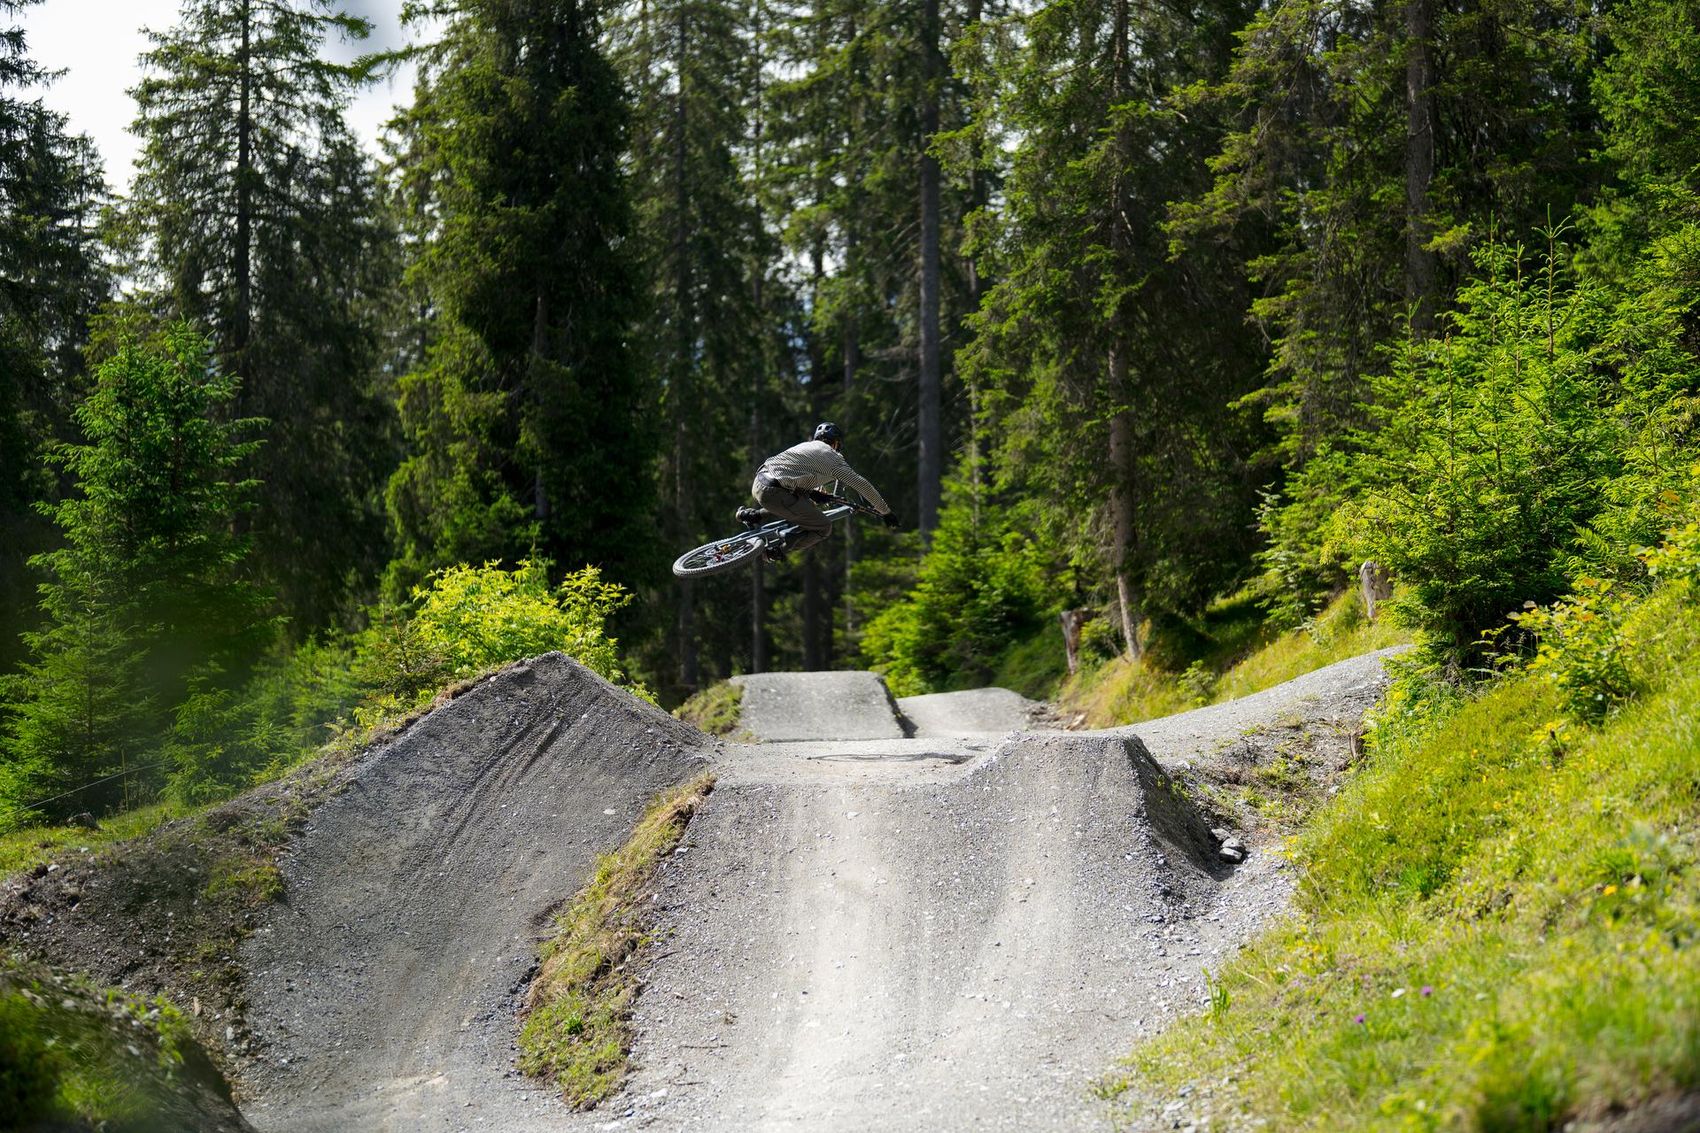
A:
(1491, 451)
(476, 618)
(1583, 648)
(980, 588)
(715, 710)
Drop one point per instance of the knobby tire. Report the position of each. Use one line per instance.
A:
(722, 554)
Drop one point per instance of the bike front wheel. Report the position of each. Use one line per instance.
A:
(711, 558)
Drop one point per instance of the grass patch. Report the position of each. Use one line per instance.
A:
(76, 1056)
(1118, 691)
(1339, 632)
(1034, 665)
(577, 1030)
(37, 845)
(715, 710)
(1498, 922)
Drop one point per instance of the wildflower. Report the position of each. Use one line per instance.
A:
(1609, 890)
(1427, 991)
(1359, 1020)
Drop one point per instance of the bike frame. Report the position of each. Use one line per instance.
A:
(711, 558)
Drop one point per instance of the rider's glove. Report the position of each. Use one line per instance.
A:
(890, 520)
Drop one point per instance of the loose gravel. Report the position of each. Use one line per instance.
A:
(963, 928)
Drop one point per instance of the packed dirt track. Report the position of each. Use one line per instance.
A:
(952, 923)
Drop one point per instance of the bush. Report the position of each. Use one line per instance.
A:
(979, 588)
(1492, 452)
(479, 617)
(1585, 646)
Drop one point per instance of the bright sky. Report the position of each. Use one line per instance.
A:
(97, 42)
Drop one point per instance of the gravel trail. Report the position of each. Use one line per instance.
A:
(961, 928)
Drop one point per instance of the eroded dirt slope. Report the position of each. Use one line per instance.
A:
(384, 982)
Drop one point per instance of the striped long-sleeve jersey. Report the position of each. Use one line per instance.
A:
(813, 463)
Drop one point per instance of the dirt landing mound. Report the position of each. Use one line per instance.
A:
(923, 954)
(787, 707)
(975, 712)
(384, 982)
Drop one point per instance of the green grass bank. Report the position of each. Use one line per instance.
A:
(1497, 924)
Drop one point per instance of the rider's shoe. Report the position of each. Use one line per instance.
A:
(751, 516)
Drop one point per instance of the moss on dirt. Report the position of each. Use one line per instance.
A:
(576, 1031)
(75, 1056)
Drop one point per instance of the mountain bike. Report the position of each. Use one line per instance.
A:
(734, 550)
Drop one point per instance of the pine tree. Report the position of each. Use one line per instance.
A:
(50, 282)
(853, 181)
(254, 214)
(694, 75)
(145, 599)
(1378, 144)
(1106, 366)
(527, 425)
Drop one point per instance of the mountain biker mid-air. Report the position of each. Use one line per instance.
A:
(787, 487)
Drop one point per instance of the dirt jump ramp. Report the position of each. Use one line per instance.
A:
(385, 982)
(949, 947)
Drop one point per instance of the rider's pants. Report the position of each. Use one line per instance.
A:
(794, 506)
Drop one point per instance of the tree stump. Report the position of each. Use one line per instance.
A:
(1375, 584)
(1072, 622)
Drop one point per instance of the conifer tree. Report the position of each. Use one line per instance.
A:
(693, 76)
(527, 425)
(254, 214)
(50, 282)
(1107, 367)
(145, 599)
(1379, 144)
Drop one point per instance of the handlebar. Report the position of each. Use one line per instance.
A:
(830, 500)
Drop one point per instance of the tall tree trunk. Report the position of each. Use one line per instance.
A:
(930, 455)
(1121, 501)
(539, 343)
(852, 362)
(758, 377)
(977, 199)
(815, 613)
(244, 197)
(1120, 395)
(690, 675)
(1419, 163)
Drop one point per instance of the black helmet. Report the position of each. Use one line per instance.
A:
(828, 432)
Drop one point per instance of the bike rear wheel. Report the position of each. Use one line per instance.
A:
(711, 558)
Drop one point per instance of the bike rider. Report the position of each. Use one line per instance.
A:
(787, 487)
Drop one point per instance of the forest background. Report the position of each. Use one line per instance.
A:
(1170, 314)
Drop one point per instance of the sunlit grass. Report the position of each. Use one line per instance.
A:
(715, 710)
(32, 846)
(1498, 925)
(576, 1032)
(1119, 691)
(1339, 632)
